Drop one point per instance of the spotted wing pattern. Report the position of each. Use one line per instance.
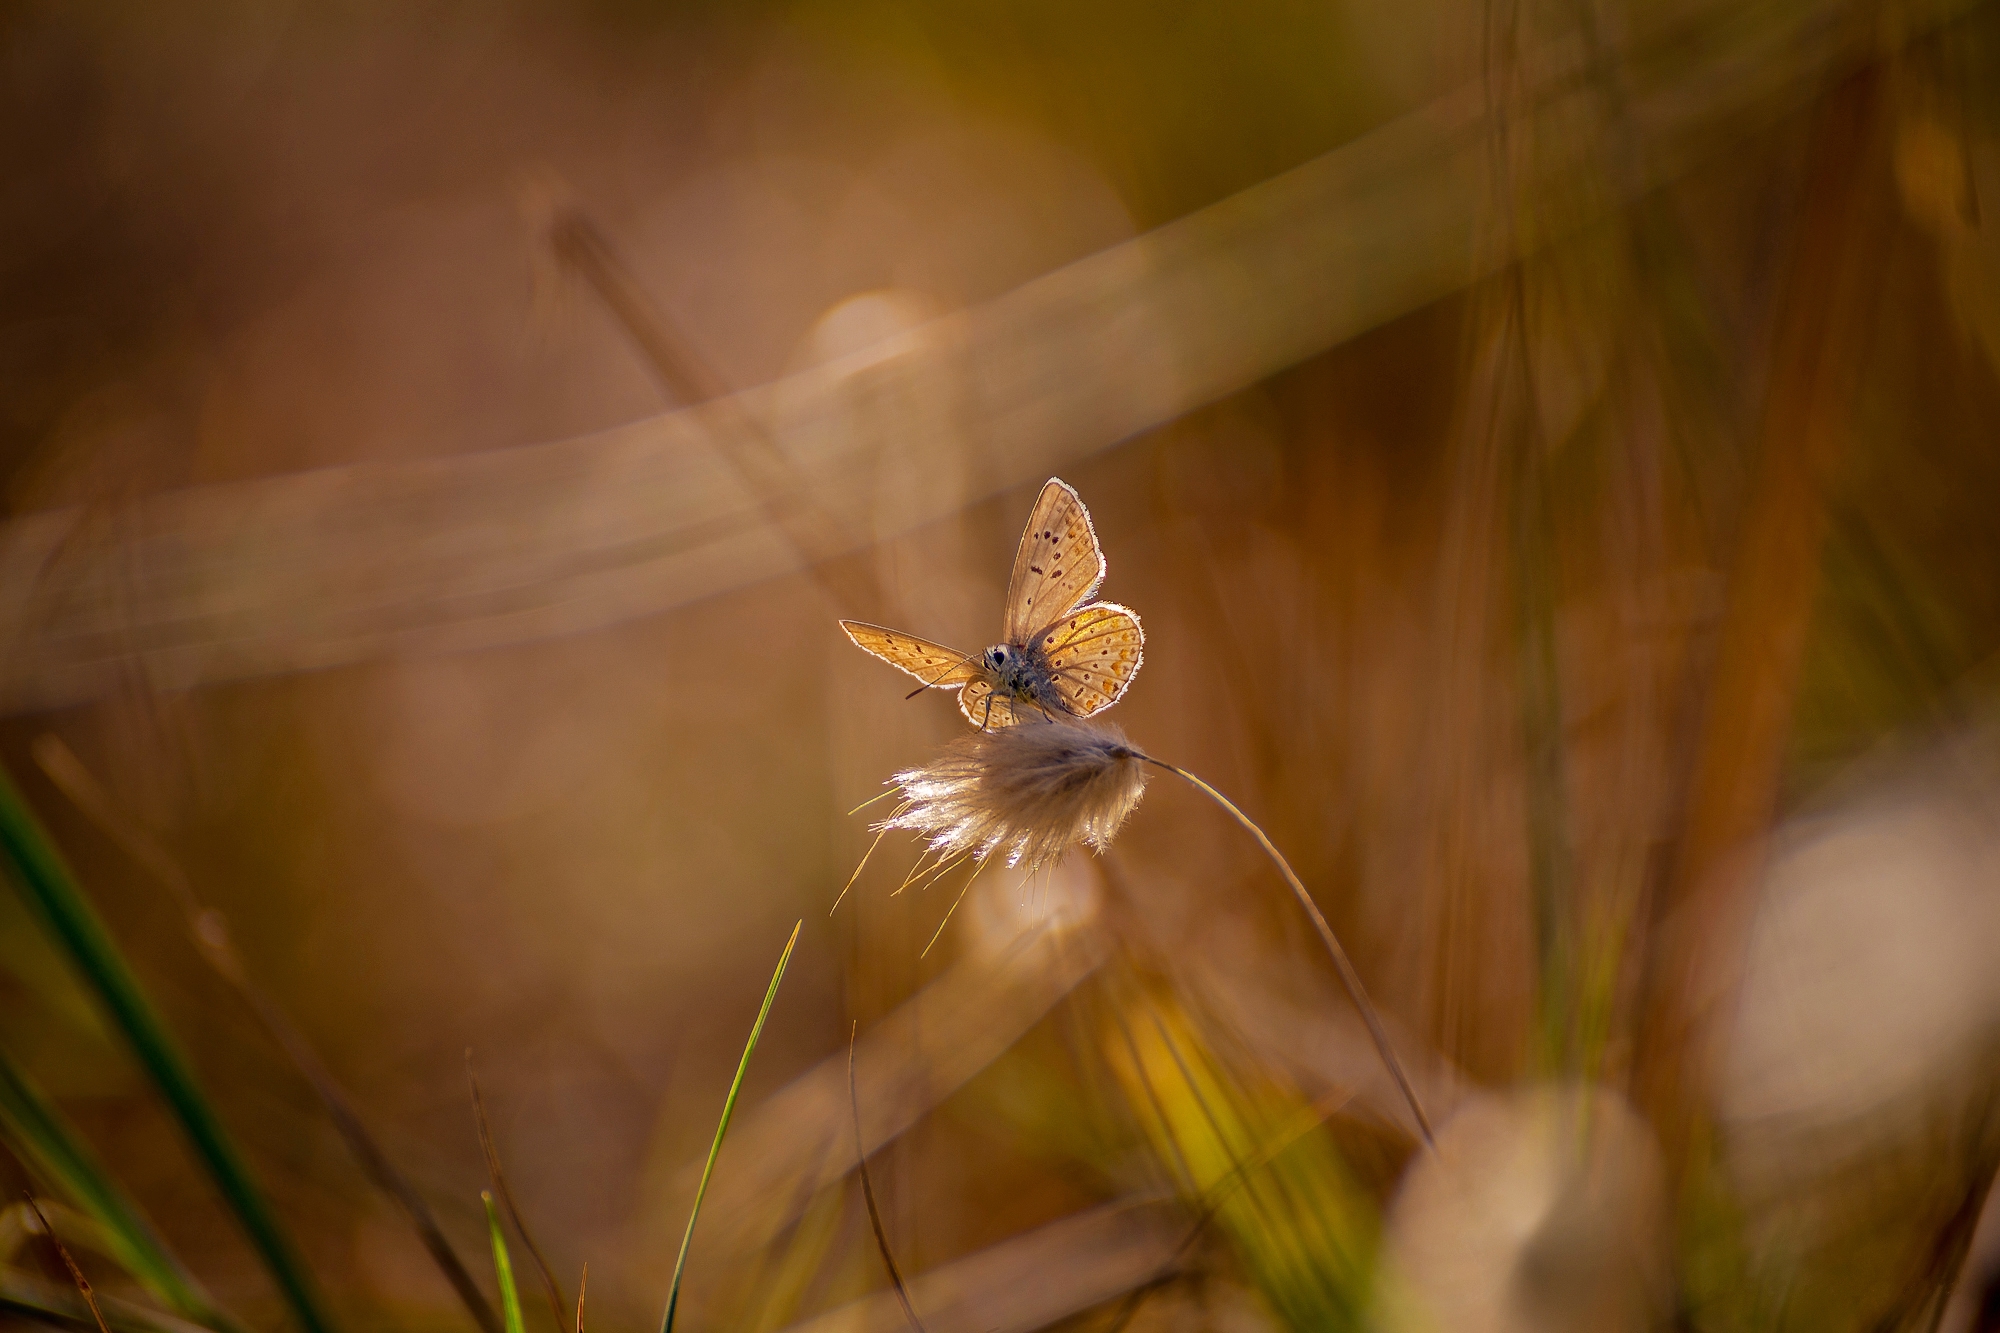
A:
(1057, 566)
(986, 708)
(1093, 653)
(934, 664)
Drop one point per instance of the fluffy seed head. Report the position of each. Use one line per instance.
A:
(1029, 791)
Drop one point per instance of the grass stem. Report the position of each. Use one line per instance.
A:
(1349, 978)
(868, 1194)
(503, 1268)
(75, 1273)
(728, 1110)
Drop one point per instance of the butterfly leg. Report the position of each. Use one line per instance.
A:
(987, 718)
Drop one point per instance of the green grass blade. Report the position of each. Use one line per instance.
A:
(37, 1133)
(38, 870)
(503, 1267)
(728, 1110)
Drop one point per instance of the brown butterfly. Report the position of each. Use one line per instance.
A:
(1057, 656)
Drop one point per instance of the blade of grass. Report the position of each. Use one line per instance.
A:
(39, 872)
(37, 1133)
(210, 934)
(728, 1110)
(503, 1268)
(499, 1178)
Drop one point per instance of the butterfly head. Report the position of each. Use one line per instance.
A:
(999, 656)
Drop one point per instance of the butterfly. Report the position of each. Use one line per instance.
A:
(1060, 653)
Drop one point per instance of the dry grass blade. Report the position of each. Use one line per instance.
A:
(868, 1193)
(817, 534)
(75, 1273)
(500, 1187)
(44, 1304)
(1731, 789)
(210, 933)
(582, 1282)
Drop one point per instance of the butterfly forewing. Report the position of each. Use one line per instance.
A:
(1057, 566)
(932, 663)
(1093, 653)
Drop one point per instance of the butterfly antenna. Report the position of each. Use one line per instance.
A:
(932, 682)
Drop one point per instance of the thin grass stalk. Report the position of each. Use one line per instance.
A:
(31, 1301)
(868, 1194)
(69, 1262)
(500, 1187)
(722, 1128)
(1349, 978)
(503, 1268)
(39, 1135)
(786, 494)
(210, 934)
(73, 924)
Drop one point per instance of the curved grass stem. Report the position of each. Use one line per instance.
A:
(728, 1110)
(1341, 963)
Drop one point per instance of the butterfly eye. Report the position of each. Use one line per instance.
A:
(996, 656)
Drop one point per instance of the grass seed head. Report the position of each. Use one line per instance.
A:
(1030, 792)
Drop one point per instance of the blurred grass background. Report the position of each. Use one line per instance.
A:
(1611, 646)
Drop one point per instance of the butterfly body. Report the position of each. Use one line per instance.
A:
(1020, 674)
(1061, 654)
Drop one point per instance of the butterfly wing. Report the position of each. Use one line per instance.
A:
(934, 664)
(1057, 566)
(1093, 653)
(986, 708)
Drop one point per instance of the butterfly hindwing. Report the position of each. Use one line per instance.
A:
(1057, 566)
(934, 664)
(988, 709)
(1093, 653)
